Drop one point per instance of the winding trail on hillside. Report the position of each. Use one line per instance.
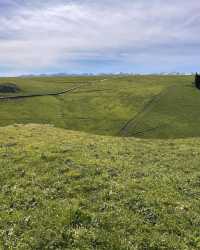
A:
(37, 95)
(57, 93)
(133, 122)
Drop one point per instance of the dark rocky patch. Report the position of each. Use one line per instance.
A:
(9, 88)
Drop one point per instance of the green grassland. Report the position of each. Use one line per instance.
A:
(112, 165)
(70, 190)
(153, 106)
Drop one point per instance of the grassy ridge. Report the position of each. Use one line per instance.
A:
(68, 190)
(107, 111)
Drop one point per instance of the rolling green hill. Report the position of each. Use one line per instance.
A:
(139, 106)
(70, 190)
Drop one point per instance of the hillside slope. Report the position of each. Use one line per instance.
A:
(69, 190)
(152, 106)
(174, 113)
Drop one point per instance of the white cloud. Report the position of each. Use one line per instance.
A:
(49, 34)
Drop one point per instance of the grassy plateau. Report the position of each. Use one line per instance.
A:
(113, 165)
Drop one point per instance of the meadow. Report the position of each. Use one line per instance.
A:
(111, 165)
(141, 106)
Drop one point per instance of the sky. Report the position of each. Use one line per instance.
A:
(92, 36)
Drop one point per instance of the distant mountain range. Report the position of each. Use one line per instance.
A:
(103, 74)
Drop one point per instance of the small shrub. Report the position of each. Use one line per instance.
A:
(197, 81)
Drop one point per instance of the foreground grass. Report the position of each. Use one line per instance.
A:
(68, 190)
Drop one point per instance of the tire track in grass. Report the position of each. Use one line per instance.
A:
(148, 130)
(133, 122)
(61, 100)
(91, 91)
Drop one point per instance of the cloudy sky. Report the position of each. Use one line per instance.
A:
(78, 36)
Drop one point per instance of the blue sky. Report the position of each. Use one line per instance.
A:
(83, 36)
